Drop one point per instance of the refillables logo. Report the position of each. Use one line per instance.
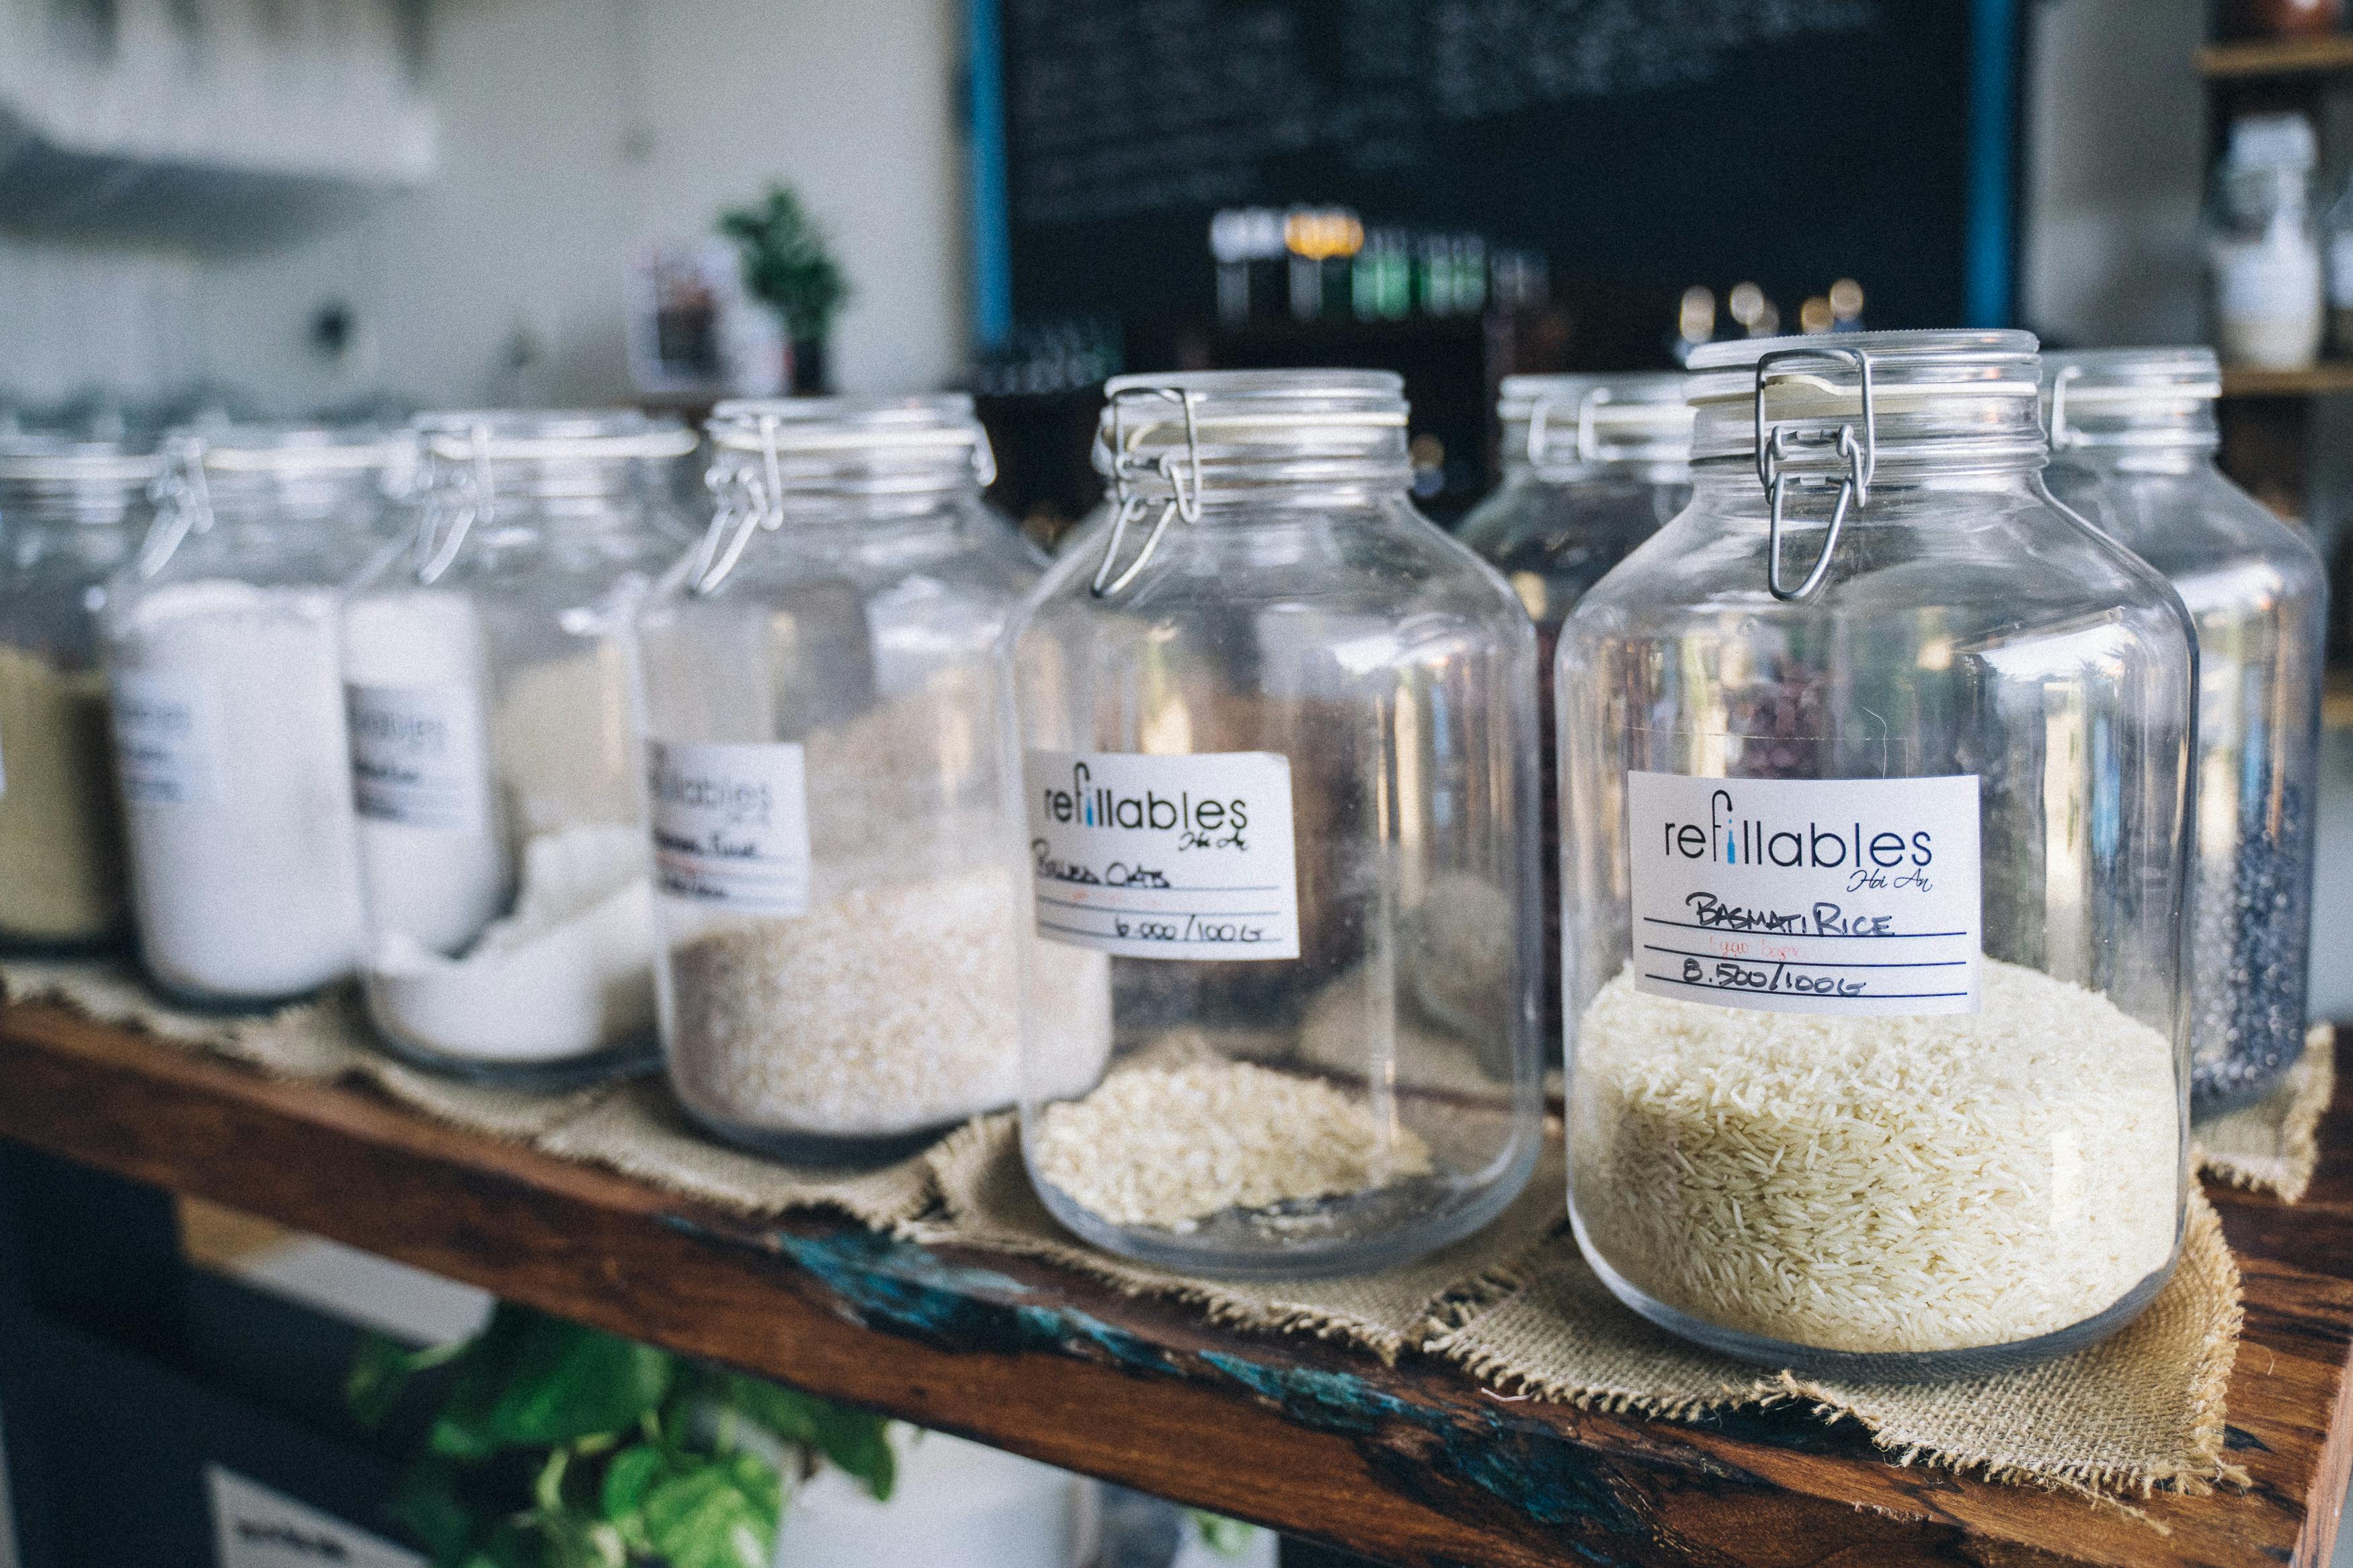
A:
(1088, 803)
(1728, 838)
(737, 801)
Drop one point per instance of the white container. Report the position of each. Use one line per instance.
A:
(228, 697)
(956, 1505)
(2265, 247)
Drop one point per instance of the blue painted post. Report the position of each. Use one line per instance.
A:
(1985, 289)
(991, 231)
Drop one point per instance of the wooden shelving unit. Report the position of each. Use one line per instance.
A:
(1410, 1464)
(2270, 58)
(2328, 376)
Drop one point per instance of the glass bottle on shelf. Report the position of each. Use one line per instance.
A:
(1593, 465)
(1874, 778)
(2133, 440)
(838, 924)
(1277, 741)
(70, 515)
(502, 862)
(223, 659)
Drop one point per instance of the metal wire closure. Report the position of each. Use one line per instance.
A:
(1855, 490)
(1182, 471)
(184, 503)
(748, 500)
(443, 533)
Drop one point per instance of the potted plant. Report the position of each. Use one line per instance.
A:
(789, 266)
(554, 1445)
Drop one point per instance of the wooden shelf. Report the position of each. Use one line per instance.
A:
(2259, 59)
(2328, 376)
(1412, 1464)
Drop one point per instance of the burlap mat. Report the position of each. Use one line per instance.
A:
(1514, 1304)
(635, 1129)
(2140, 1410)
(987, 1202)
(2273, 1145)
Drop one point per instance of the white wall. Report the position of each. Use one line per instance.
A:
(2115, 154)
(573, 132)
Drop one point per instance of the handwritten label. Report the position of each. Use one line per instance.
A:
(417, 756)
(1855, 897)
(730, 823)
(164, 737)
(1153, 857)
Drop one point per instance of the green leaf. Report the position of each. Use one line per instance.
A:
(569, 1382)
(628, 1479)
(1226, 1537)
(857, 1442)
(380, 1372)
(709, 1517)
(426, 1503)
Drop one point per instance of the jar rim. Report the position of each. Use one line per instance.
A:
(1893, 349)
(942, 420)
(294, 449)
(549, 435)
(67, 460)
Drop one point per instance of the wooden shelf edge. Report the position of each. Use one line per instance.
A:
(2256, 58)
(2328, 376)
(1412, 1463)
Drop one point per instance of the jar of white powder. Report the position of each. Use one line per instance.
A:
(71, 512)
(503, 868)
(227, 683)
(1874, 766)
(1277, 741)
(839, 934)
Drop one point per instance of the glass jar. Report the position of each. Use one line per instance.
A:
(70, 514)
(2264, 247)
(837, 924)
(224, 660)
(1592, 466)
(2133, 440)
(1875, 776)
(502, 864)
(1278, 743)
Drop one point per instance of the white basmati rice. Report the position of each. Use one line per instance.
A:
(1873, 1184)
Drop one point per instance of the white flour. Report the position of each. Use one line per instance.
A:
(566, 973)
(229, 727)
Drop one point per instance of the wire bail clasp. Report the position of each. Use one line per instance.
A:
(1181, 470)
(1861, 454)
(184, 503)
(750, 498)
(454, 504)
(2064, 434)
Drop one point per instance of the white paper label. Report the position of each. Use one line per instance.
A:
(1151, 857)
(164, 745)
(1840, 896)
(417, 756)
(256, 1527)
(731, 824)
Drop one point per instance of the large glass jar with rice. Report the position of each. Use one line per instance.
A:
(503, 868)
(839, 931)
(72, 511)
(2132, 447)
(226, 668)
(1277, 735)
(1593, 465)
(1874, 778)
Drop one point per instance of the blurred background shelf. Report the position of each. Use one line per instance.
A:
(2323, 379)
(2268, 57)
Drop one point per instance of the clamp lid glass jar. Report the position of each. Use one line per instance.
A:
(70, 514)
(502, 866)
(2133, 439)
(224, 658)
(1593, 465)
(1874, 769)
(1278, 749)
(839, 927)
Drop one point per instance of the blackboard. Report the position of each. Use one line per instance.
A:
(1641, 144)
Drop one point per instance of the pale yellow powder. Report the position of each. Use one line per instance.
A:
(60, 827)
